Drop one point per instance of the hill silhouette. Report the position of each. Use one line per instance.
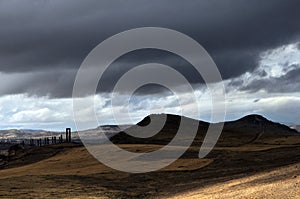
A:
(251, 128)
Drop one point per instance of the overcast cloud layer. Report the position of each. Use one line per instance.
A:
(255, 45)
(39, 37)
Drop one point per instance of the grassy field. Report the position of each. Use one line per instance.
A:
(252, 170)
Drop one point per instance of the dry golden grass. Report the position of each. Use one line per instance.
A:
(76, 161)
(76, 172)
(256, 170)
(282, 183)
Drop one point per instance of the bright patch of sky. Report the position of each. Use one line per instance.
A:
(280, 61)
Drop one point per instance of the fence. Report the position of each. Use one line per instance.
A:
(48, 140)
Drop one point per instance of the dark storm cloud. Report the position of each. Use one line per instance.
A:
(46, 83)
(135, 58)
(42, 36)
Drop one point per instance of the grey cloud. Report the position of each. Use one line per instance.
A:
(261, 73)
(256, 100)
(235, 83)
(135, 58)
(47, 83)
(42, 36)
(287, 83)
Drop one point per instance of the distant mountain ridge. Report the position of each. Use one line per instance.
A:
(14, 134)
(296, 127)
(25, 134)
(246, 126)
(255, 122)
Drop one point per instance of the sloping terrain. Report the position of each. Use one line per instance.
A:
(283, 182)
(242, 164)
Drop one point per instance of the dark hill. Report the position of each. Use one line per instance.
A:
(249, 129)
(164, 136)
(254, 123)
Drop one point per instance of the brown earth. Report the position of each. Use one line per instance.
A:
(260, 164)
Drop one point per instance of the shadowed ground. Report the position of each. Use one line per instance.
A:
(258, 165)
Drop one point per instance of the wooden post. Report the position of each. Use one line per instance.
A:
(68, 134)
(61, 138)
(70, 140)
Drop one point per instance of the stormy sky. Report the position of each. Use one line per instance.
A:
(255, 45)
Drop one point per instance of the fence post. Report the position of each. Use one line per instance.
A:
(61, 138)
(68, 135)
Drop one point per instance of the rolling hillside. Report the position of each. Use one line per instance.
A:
(252, 128)
(248, 161)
